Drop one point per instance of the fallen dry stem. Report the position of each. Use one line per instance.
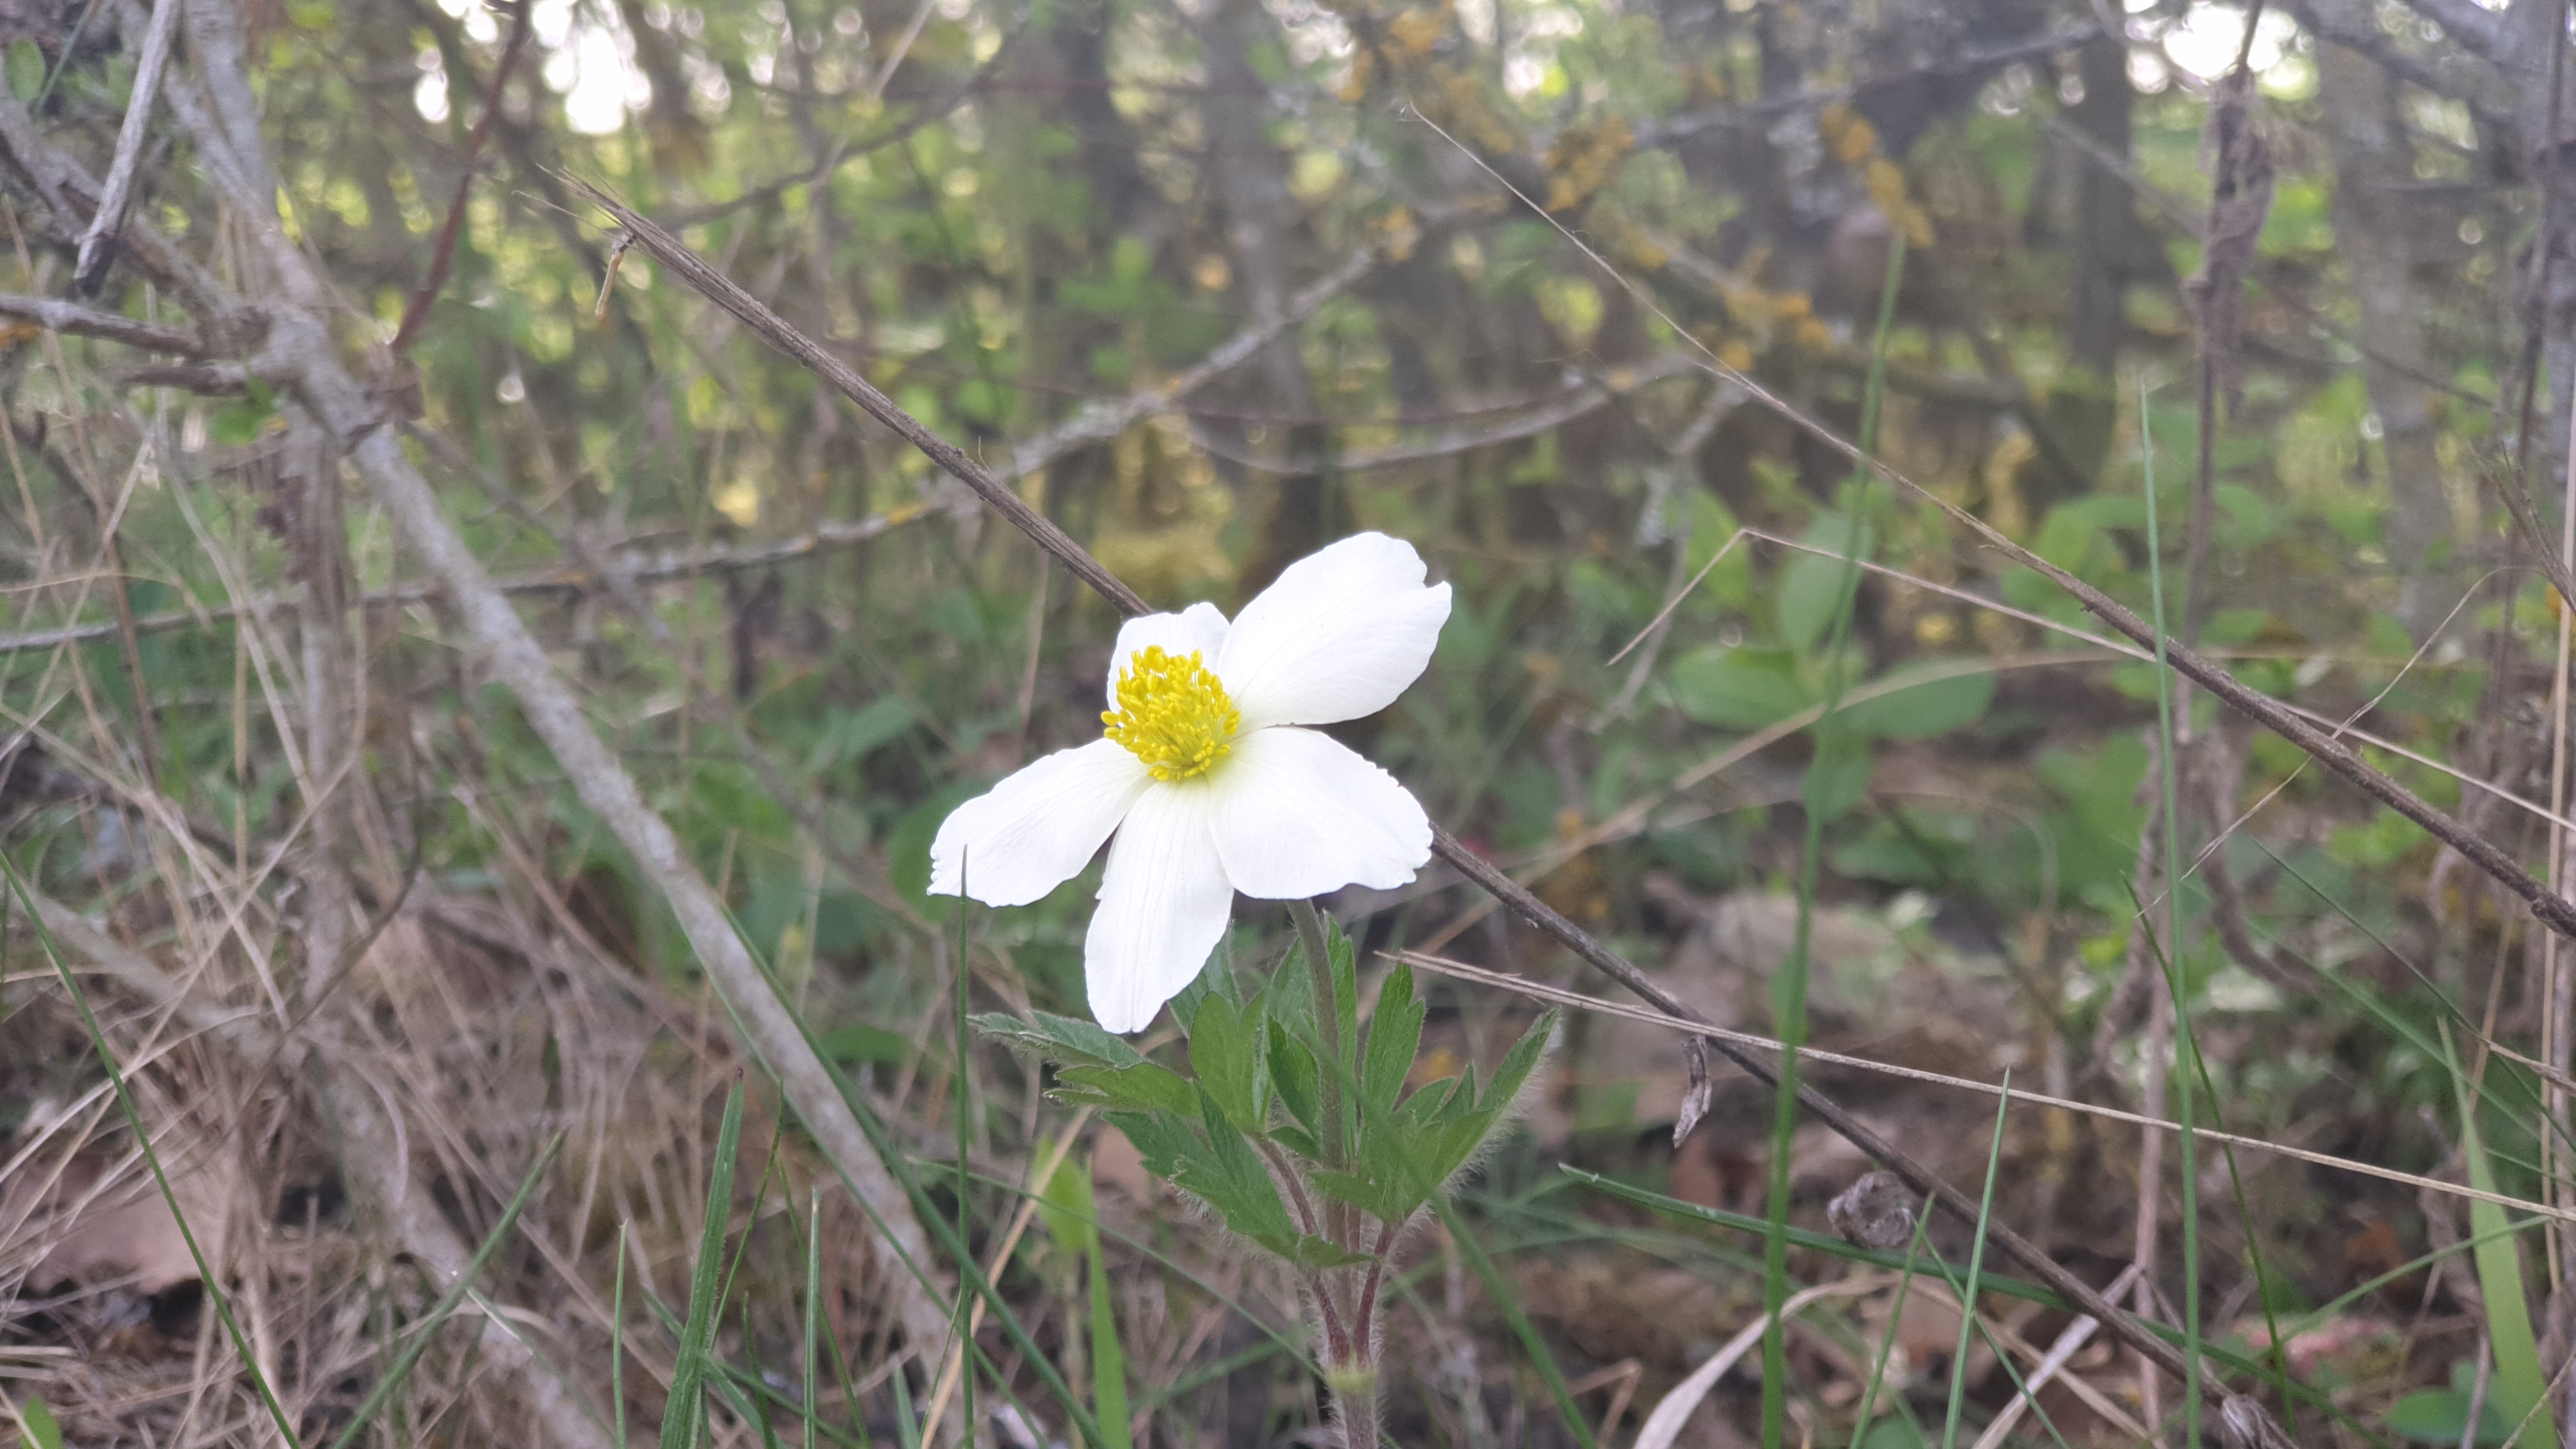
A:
(1577, 1001)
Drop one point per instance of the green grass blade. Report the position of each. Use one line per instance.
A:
(1887, 1338)
(151, 1158)
(617, 1337)
(2520, 1386)
(1789, 985)
(1976, 1270)
(961, 1083)
(2186, 1049)
(813, 1304)
(937, 1224)
(1108, 1351)
(424, 1332)
(686, 1412)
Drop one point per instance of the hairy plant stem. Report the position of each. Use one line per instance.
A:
(1345, 1298)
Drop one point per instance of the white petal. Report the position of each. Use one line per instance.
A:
(1298, 814)
(1339, 635)
(1163, 906)
(1198, 629)
(1037, 828)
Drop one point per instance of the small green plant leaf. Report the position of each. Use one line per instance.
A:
(1293, 1076)
(239, 424)
(1936, 706)
(1517, 1064)
(1230, 1051)
(42, 1431)
(1812, 584)
(26, 78)
(1144, 1087)
(853, 735)
(1059, 1039)
(1737, 689)
(2441, 1416)
(2519, 1383)
(1220, 1169)
(1838, 778)
(1395, 1034)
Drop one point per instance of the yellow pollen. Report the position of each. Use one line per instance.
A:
(1172, 714)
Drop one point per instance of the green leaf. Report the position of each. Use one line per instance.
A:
(2519, 1382)
(1229, 1049)
(1346, 992)
(1935, 706)
(1066, 1210)
(1293, 1073)
(1059, 1039)
(1811, 584)
(1839, 775)
(857, 1041)
(26, 78)
(1518, 1063)
(853, 735)
(1233, 1180)
(1737, 689)
(1215, 978)
(1367, 1191)
(1143, 1087)
(1395, 1035)
(239, 424)
(1165, 1143)
(2441, 1416)
(40, 1420)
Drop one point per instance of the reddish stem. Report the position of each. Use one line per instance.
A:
(414, 315)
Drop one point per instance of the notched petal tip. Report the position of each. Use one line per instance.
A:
(1339, 635)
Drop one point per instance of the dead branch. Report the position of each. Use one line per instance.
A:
(1099, 422)
(224, 121)
(637, 567)
(1581, 396)
(98, 244)
(56, 315)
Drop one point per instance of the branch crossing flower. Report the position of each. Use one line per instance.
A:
(1208, 779)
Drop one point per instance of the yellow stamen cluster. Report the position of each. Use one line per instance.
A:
(1172, 713)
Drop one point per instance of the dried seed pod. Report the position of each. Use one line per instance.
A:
(1876, 1212)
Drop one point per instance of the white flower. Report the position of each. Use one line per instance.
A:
(1206, 779)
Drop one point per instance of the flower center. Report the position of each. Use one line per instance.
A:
(1172, 713)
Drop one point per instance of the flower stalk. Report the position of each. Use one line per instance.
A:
(1296, 1128)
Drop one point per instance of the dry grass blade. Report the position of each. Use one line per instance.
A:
(1575, 1000)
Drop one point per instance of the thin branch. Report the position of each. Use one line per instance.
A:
(98, 244)
(716, 287)
(1763, 112)
(1577, 1001)
(1585, 395)
(513, 657)
(444, 253)
(1099, 422)
(57, 315)
(637, 567)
